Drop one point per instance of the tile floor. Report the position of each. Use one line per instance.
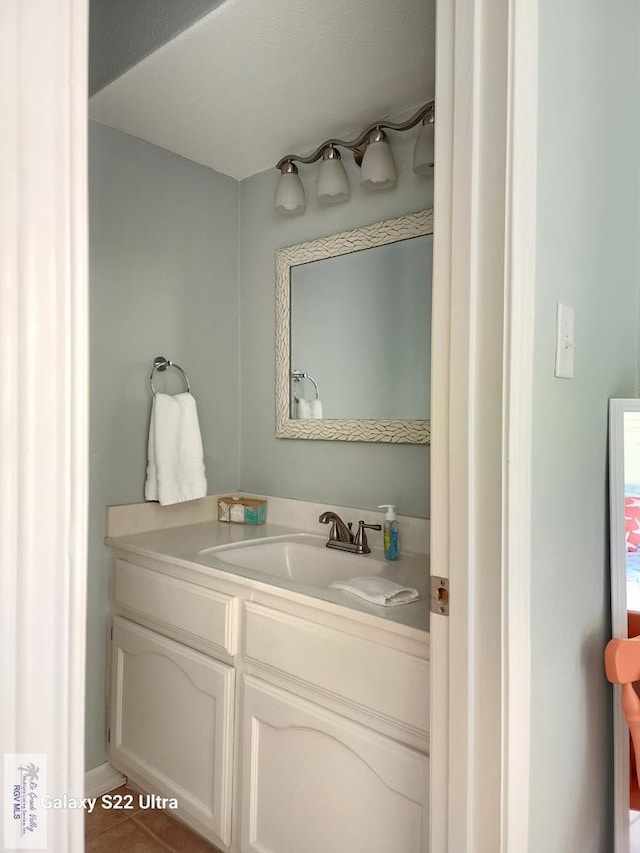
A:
(139, 831)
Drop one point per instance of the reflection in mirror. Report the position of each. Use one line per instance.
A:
(374, 308)
(624, 491)
(353, 334)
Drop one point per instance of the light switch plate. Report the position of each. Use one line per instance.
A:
(565, 341)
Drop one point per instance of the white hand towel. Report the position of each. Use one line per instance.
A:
(175, 459)
(309, 409)
(315, 409)
(378, 590)
(303, 410)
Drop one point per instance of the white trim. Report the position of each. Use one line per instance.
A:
(520, 250)
(483, 290)
(43, 394)
(128, 519)
(621, 757)
(440, 367)
(460, 487)
(102, 779)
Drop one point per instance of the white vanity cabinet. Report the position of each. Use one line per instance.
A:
(171, 713)
(335, 730)
(171, 722)
(281, 723)
(316, 781)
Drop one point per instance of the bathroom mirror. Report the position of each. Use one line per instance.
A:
(353, 334)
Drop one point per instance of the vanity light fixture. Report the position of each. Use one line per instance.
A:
(423, 152)
(289, 192)
(378, 166)
(371, 151)
(333, 183)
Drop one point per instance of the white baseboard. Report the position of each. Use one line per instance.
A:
(102, 779)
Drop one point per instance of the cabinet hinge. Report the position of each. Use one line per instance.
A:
(108, 735)
(440, 596)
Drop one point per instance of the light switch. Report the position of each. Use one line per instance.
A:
(565, 343)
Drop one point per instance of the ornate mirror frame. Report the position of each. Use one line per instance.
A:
(378, 234)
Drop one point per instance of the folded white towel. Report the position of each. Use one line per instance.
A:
(309, 409)
(378, 590)
(175, 460)
(302, 410)
(315, 410)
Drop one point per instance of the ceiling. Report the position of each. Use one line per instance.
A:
(253, 80)
(122, 32)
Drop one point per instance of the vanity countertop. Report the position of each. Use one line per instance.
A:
(182, 545)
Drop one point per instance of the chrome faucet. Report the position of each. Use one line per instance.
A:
(341, 537)
(340, 532)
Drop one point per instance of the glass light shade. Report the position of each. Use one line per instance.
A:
(378, 166)
(333, 184)
(423, 152)
(289, 196)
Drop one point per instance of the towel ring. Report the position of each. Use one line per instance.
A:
(297, 375)
(161, 363)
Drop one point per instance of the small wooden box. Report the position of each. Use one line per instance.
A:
(242, 510)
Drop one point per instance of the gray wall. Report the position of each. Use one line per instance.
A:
(360, 475)
(163, 281)
(588, 226)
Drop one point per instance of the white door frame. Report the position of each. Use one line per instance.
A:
(619, 627)
(484, 277)
(485, 239)
(43, 399)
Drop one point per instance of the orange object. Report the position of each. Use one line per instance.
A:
(633, 626)
(633, 623)
(622, 666)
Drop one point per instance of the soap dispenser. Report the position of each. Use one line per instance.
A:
(390, 533)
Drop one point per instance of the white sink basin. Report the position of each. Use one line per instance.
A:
(301, 559)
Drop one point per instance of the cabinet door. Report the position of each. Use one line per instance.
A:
(171, 722)
(314, 781)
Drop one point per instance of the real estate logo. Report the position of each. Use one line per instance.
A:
(25, 825)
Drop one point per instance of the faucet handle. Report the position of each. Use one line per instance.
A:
(361, 537)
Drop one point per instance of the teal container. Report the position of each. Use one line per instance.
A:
(238, 510)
